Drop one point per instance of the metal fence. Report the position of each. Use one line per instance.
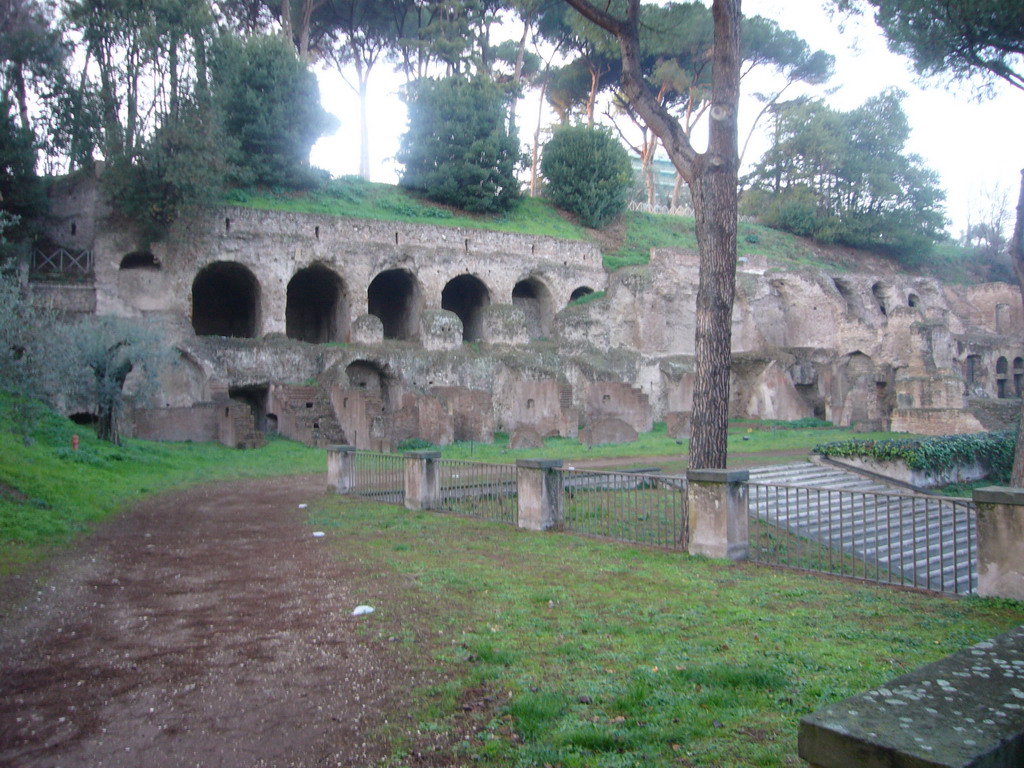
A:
(924, 542)
(379, 476)
(61, 261)
(483, 491)
(626, 506)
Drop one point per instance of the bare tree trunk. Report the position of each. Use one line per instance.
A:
(714, 191)
(712, 177)
(364, 128)
(1017, 257)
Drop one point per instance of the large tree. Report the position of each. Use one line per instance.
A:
(964, 39)
(460, 148)
(712, 178)
(958, 38)
(271, 106)
(844, 177)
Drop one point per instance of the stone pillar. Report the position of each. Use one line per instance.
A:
(422, 482)
(716, 502)
(1000, 542)
(540, 494)
(341, 468)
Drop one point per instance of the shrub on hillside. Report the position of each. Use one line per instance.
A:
(459, 149)
(588, 174)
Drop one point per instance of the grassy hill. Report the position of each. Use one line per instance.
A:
(626, 242)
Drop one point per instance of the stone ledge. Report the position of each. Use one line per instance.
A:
(964, 710)
(994, 494)
(717, 475)
(539, 463)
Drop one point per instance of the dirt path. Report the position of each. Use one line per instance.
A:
(206, 628)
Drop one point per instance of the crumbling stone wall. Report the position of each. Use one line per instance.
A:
(869, 350)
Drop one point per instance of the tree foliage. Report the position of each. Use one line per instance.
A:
(28, 370)
(21, 191)
(843, 177)
(588, 173)
(271, 106)
(958, 38)
(104, 351)
(712, 178)
(460, 149)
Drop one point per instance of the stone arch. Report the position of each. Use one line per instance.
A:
(140, 260)
(1018, 376)
(913, 300)
(226, 301)
(370, 377)
(847, 293)
(1002, 375)
(579, 293)
(394, 296)
(316, 308)
(534, 297)
(878, 291)
(972, 370)
(467, 296)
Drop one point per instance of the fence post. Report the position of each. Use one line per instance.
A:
(716, 501)
(540, 494)
(1000, 517)
(422, 483)
(341, 468)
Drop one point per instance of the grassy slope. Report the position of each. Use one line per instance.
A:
(627, 243)
(49, 493)
(598, 654)
(744, 440)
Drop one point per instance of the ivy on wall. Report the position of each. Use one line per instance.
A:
(992, 450)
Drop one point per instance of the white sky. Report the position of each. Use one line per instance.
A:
(974, 145)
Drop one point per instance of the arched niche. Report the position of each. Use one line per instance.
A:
(370, 377)
(1002, 371)
(534, 298)
(466, 296)
(879, 292)
(395, 297)
(579, 293)
(226, 301)
(140, 260)
(317, 306)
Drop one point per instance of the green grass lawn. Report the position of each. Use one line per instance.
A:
(49, 492)
(558, 650)
(747, 439)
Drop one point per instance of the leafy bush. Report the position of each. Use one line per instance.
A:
(588, 173)
(992, 450)
(459, 149)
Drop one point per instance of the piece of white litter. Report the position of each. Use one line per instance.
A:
(318, 534)
(362, 610)
(303, 506)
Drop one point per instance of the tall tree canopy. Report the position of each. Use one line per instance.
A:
(271, 106)
(712, 177)
(843, 177)
(460, 148)
(961, 38)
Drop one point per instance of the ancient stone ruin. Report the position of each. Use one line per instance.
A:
(336, 330)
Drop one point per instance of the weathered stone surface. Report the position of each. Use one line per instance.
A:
(855, 349)
(964, 710)
(367, 329)
(440, 329)
(1000, 531)
(472, 412)
(505, 324)
(608, 431)
(677, 424)
(525, 437)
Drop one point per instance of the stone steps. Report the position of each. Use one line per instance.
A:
(922, 541)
